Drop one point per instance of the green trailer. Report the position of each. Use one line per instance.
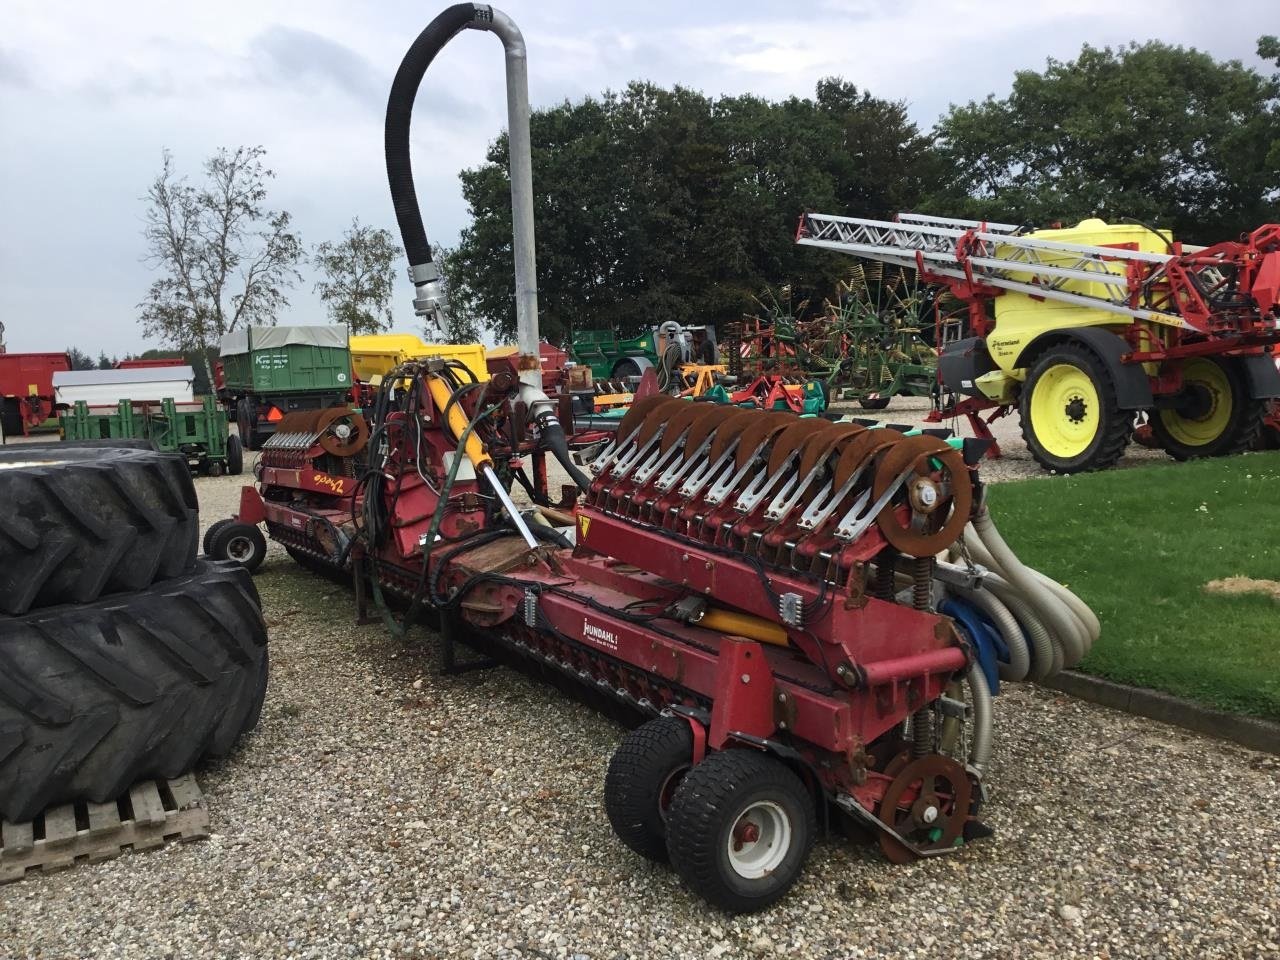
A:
(614, 358)
(264, 373)
(197, 430)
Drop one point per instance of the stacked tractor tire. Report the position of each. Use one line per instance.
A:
(123, 656)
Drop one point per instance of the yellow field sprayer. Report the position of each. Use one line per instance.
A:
(1087, 328)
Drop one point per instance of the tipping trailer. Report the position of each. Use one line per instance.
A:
(1083, 329)
(26, 390)
(264, 373)
(789, 604)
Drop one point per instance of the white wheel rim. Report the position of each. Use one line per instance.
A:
(759, 841)
(240, 549)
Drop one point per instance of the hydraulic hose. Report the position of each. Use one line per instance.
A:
(1019, 664)
(404, 89)
(1057, 616)
(554, 439)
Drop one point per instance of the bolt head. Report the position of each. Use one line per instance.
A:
(746, 678)
(930, 814)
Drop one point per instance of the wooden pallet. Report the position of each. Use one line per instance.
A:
(151, 814)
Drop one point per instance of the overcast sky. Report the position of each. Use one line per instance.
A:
(91, 92)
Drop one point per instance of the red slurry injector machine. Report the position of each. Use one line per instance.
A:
(769, 592)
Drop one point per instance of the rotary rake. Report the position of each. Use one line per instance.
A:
(799, 610)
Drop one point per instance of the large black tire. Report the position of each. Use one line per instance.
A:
(873, 403)
(96, 697)
(1220, 418)
(643, 775)
(710, 804)
(247, 424)
(78, 522)
(625, 369)
(235, 455)
(1091, 427)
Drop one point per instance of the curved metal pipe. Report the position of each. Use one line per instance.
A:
(429, 296)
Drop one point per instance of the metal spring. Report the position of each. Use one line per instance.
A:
(883, 587)
(922, 582)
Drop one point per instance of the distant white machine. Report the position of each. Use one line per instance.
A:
(105, 388)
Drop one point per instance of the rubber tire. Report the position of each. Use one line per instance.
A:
(625, 369)
(94, 698)
(645, 761)
(876, 403)
(215, 468)
(235, 455)
(1241, 434)
(1115, 426)
(247, 424)
(704, 810)
(221, 543)
(213, 529)
(79, 522)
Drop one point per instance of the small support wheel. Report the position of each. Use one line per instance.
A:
(238, 541)
(873, 403)
(215, 468)
(740, 828)
(643, 776)
(213, 530)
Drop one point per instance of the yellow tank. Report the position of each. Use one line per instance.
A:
(373, 354)
(1019, 318)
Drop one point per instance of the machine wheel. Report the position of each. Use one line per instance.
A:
(1070, 418)
(739, 829)
(247, 424)
(235, 456)
(873, 403)
(1218, 416)
(238, 542)
(215, 468)
(642, 779)
(96, 697)
(77, 522)
(213, 530)
(626, 368)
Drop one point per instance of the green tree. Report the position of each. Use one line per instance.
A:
(655, 204)
(225, 260)
(79, 359)
(358, 277)
(1159, 133)
(105, 362)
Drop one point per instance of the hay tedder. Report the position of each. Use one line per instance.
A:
(1095, 326)
(811, 617)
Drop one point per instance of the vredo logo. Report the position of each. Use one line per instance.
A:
(599, 635)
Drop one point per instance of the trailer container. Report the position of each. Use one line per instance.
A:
(26, 389)
(265, 373)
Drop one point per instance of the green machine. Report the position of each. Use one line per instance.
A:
(197, 430)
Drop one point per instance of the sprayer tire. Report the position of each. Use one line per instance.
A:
(1075, 452)
(708, 805)
(79, 522)
(95, 697)
(643, 775)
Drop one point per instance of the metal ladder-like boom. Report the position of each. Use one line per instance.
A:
(994, 256)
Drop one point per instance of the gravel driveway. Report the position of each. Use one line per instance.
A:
(381, 810)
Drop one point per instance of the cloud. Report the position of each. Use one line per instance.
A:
(292, 57)
(13, 72)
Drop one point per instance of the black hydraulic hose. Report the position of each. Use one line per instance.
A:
(399, 110)
(554, 438)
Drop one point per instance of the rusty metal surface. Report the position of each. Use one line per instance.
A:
(929, 528)
(931, 782)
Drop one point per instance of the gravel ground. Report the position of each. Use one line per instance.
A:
(381, 810)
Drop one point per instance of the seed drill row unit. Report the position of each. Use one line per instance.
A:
(792, 604)
(1095, 326)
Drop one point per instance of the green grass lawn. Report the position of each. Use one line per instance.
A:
(1139, 545)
